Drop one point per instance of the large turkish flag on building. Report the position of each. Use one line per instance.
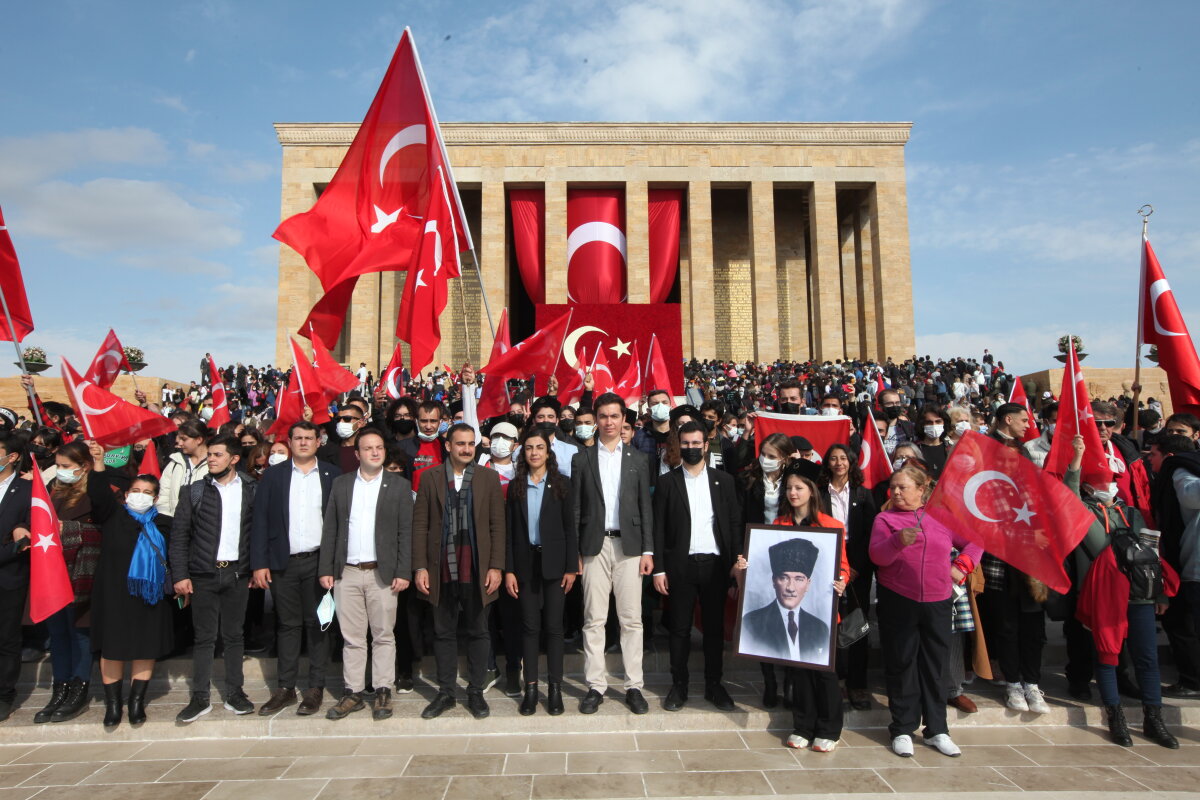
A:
(596, 246)
(617, 327)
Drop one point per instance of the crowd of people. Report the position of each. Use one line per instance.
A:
(408, 526)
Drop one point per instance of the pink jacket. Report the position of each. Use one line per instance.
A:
(920, 571)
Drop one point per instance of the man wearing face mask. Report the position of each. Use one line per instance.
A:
(585, 426)
(401, 417)
(544, 414)
(899, 429)
(502, 440)
(1037, 449)
(652, 439)
(285, 542)
(340, 449)
(791, 397)
(14, 567)
(425, 449)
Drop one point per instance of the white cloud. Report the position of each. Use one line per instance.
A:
(26, 160)
(172, 101)
(190, 55)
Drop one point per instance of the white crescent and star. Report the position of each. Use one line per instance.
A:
(38, 502)
(46, 541)
(393, 386)
(864, 455)
(594, 231)
(1157, 290)
(976, 482)
(412, 135)
(572, 340)
(83, 406)
(109, 355)
(431, 227)
(621, 348)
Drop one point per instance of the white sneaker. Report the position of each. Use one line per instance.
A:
(902, 746)
(1035, 699)
(797, 742)
(1014, 697)
(944, 745)
(824, 745)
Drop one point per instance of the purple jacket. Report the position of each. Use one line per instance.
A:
(920, 571)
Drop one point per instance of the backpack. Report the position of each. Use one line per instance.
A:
(1140, 564)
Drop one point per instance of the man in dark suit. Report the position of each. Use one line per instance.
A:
(616, 541)
(366, 559)
(14, 568)
(458, 557)
(285, 542)
(783, 629)
(696, 536)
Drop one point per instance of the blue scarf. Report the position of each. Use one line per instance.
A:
(148, 567)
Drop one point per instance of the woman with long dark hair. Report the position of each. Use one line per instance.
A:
(542, 560)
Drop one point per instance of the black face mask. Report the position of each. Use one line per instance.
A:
(518, 420)
(404, 427)
(216, 476)
(548, 428)
(789, 408)
(568, 426)
(691, 455)
(892, 412)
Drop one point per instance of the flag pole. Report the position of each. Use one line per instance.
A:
(1144, 212)
(12, 331)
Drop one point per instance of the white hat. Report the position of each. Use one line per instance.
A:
(505, 429)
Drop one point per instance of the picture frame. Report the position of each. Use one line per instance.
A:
(761, 630)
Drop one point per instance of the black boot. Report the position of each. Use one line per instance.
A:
(529, 704)
(113, 704)
(1154, 729)
(137, 702)
(57, 695)
(78, 697)
(554, 703)
(1118, 730)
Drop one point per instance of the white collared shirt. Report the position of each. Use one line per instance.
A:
(839, 503)
(699, 495)
(360, 540)
(793, 644)
(304, 510)
(7, 482)
(610, 482)
(231, 518)
(771, 491)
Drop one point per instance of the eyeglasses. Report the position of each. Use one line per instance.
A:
(1106, 423)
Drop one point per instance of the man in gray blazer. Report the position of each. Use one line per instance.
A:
(366, 559)
(616, 546)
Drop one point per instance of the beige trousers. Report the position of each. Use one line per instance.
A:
(612, 572)
(363, 600)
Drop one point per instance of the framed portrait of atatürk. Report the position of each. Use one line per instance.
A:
(787, 608)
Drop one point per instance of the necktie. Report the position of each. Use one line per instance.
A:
(792, 629)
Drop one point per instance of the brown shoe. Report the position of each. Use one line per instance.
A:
(310, 701)
(963, 704)
(350, 702)
(381, 708)
(280, 699)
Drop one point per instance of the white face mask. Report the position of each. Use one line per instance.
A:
(984, 429)
(426, 437)
(829, 412)
(660, 412)
(898, 463)
(768, 464)
(1050, 428)
(1105, 495)
(139, 502)
(206, 414)
(276, 458)
(585, 431)
(500, 448)
(961, 427)
(344, 430)
(934, 431)
(67, 475)
(325, 610)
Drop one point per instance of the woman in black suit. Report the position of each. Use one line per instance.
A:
(542, 561)
(844, 497)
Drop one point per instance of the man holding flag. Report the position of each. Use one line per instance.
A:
(14, 568)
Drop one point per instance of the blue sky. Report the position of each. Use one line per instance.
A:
(139, 172)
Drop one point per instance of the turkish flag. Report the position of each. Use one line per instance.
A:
(149, 465)
(493, 400)
(312, 388)
(19, 319)
(820, 431)
(220, 403)
(426, 287)
(1018, 396)
(50, 588)
(630, 385)
(658, 372)
(108, 363)
(572, 380)
(872, 456)
(997, 498)
(538, 355)
(393, 376)
(596, 246)
(333, 376)
(107, 418)
(1075, 417)
(1161, 324)
(289, 407)
(602, 375)
(369, 218)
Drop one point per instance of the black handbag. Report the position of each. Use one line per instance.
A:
(854, 625)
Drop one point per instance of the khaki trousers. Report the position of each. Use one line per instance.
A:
(612, 572)
(363, 600)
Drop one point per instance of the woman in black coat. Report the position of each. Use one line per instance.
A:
(844, 497)
(542, 560)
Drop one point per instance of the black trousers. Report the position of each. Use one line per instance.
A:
(455, 601)
(915, 640)
(506, 631)
(706, 582)
(541, 604)
(12, 609)
(1081, 649)
(1015, 637)
(218, 603)
(297, 593)
(1182, 627)
(852, 661)
(412, 625)
(816, 704)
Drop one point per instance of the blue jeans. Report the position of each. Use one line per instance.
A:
(1143, 649)
(70, 647)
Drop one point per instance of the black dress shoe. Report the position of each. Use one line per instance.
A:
(860, 699)
(1181, 690)
(440, 704)
(637, 704)
(676, 698)
(716, 694)
(529, 703)
(1081, 692)
(554, 703)
(478, 706)
(590, 702)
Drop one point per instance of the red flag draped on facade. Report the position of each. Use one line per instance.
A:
(596, 250)
(1161, 324)
(333, 376)
(630, 385)
(149, 465)
(1018, 396)
(1075, 417)
(393, 376)
(17, 320)
(107, 418)
(427, 284)
(872, 455)
(369, 218)
(658, 375)
(537, 355)
(493, 400)
(108, 363)
(997, 498)
(49, 584)
(220, 402)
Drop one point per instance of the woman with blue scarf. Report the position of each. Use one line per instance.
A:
(131, 613)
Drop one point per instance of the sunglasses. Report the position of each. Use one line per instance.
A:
(1107, 423)
(347, 419)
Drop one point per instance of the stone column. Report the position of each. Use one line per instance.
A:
(825, 269)
(493, 258)
(866, 290)
(850, 284)
(700, 278)
(392, 287)
(556, 241)
(637, 242)
(363, 318)
(766, 292)
(893, 275)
